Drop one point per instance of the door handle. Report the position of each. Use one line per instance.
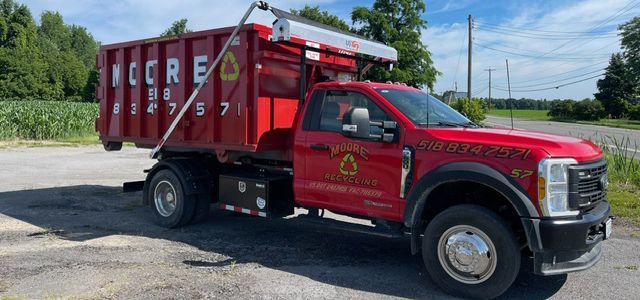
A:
(319, 147)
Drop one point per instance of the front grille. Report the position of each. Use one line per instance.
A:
(586, 188)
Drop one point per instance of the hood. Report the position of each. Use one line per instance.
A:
(555, 145)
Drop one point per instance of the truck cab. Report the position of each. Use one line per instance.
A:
(417, 161)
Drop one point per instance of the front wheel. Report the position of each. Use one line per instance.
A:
(470, 251)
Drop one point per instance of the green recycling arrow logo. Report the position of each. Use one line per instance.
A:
(229, 58)
(344, 163)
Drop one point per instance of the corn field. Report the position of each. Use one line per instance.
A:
(45, 120)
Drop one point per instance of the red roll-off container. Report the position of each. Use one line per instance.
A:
(248, 104)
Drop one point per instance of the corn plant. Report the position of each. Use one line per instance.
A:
(46, 120)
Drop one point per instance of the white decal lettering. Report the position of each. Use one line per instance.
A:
(132, 74)
(148, 69)
(116, 108)
(199, 68)
(200, 109)
(173, 66)
(225, 107)
(115, 75)
(166, 94)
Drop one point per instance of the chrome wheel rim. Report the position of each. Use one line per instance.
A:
(467, 254)
(165, 198)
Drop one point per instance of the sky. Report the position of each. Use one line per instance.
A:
(548, 43)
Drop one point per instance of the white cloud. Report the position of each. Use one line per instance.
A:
(125, 20)
(529, 72)
(453, 5)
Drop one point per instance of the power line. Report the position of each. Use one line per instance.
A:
(464, 37)
(563, 73)
(480, 90)
(623, 10)
(553, 87)
(533, 30)
(546, 36)
(558, 80)
(534, 52)
(534, 56)
(567, 62)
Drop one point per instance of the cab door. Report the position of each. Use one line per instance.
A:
(350, 175)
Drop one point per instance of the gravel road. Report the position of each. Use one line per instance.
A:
(585, 131)
(67, 231)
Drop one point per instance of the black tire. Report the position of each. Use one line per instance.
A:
(465, 220)
(185, 205)
(201, 211)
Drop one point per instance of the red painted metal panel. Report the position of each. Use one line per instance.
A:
(249, 103)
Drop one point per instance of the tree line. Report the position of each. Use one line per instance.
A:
(49, 61)
(619, 90)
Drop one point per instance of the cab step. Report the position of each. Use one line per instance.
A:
(382, 229)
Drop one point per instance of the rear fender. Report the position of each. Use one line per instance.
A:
(193, 176)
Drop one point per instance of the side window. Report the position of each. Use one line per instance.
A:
(336, 103)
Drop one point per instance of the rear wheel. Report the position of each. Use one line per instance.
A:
(470, 251)
(171, 207)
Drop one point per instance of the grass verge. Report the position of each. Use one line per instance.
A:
(624, 178)
(619, 123)
(530, 114)
(541, 115)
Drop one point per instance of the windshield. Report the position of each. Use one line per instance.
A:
(423, 109)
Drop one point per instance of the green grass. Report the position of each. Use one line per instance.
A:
(48, 120)
(625, 202)
(624, 177)
(530, 114)
(620, 123)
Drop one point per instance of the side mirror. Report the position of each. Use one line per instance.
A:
(355, 123)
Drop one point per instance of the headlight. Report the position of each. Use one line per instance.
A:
(553, 187)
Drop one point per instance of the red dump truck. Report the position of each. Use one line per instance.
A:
(280, 120)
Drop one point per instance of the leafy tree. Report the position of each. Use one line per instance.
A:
(22, 68)
(83, 45)
(562, 109)
(85, 48)
(4, 29)
(315, 14)
(471, 109)
(615, 90)
(177, 28)
(50, 61)
(52, 28)
(398, 23)
(630, 33)
(634, 112)
(587, 109)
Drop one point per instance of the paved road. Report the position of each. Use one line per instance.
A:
(598, 134)
(67, 231)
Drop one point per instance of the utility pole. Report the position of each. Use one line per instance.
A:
(489, 69)
(469, 58)
(510, 100)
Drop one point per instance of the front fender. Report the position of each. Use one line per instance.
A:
(463, 171)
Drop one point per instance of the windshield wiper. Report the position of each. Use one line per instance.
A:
(451, 124)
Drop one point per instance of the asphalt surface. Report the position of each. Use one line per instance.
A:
(598, 134)
(67, 231)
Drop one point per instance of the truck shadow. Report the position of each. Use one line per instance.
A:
(350, 260)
